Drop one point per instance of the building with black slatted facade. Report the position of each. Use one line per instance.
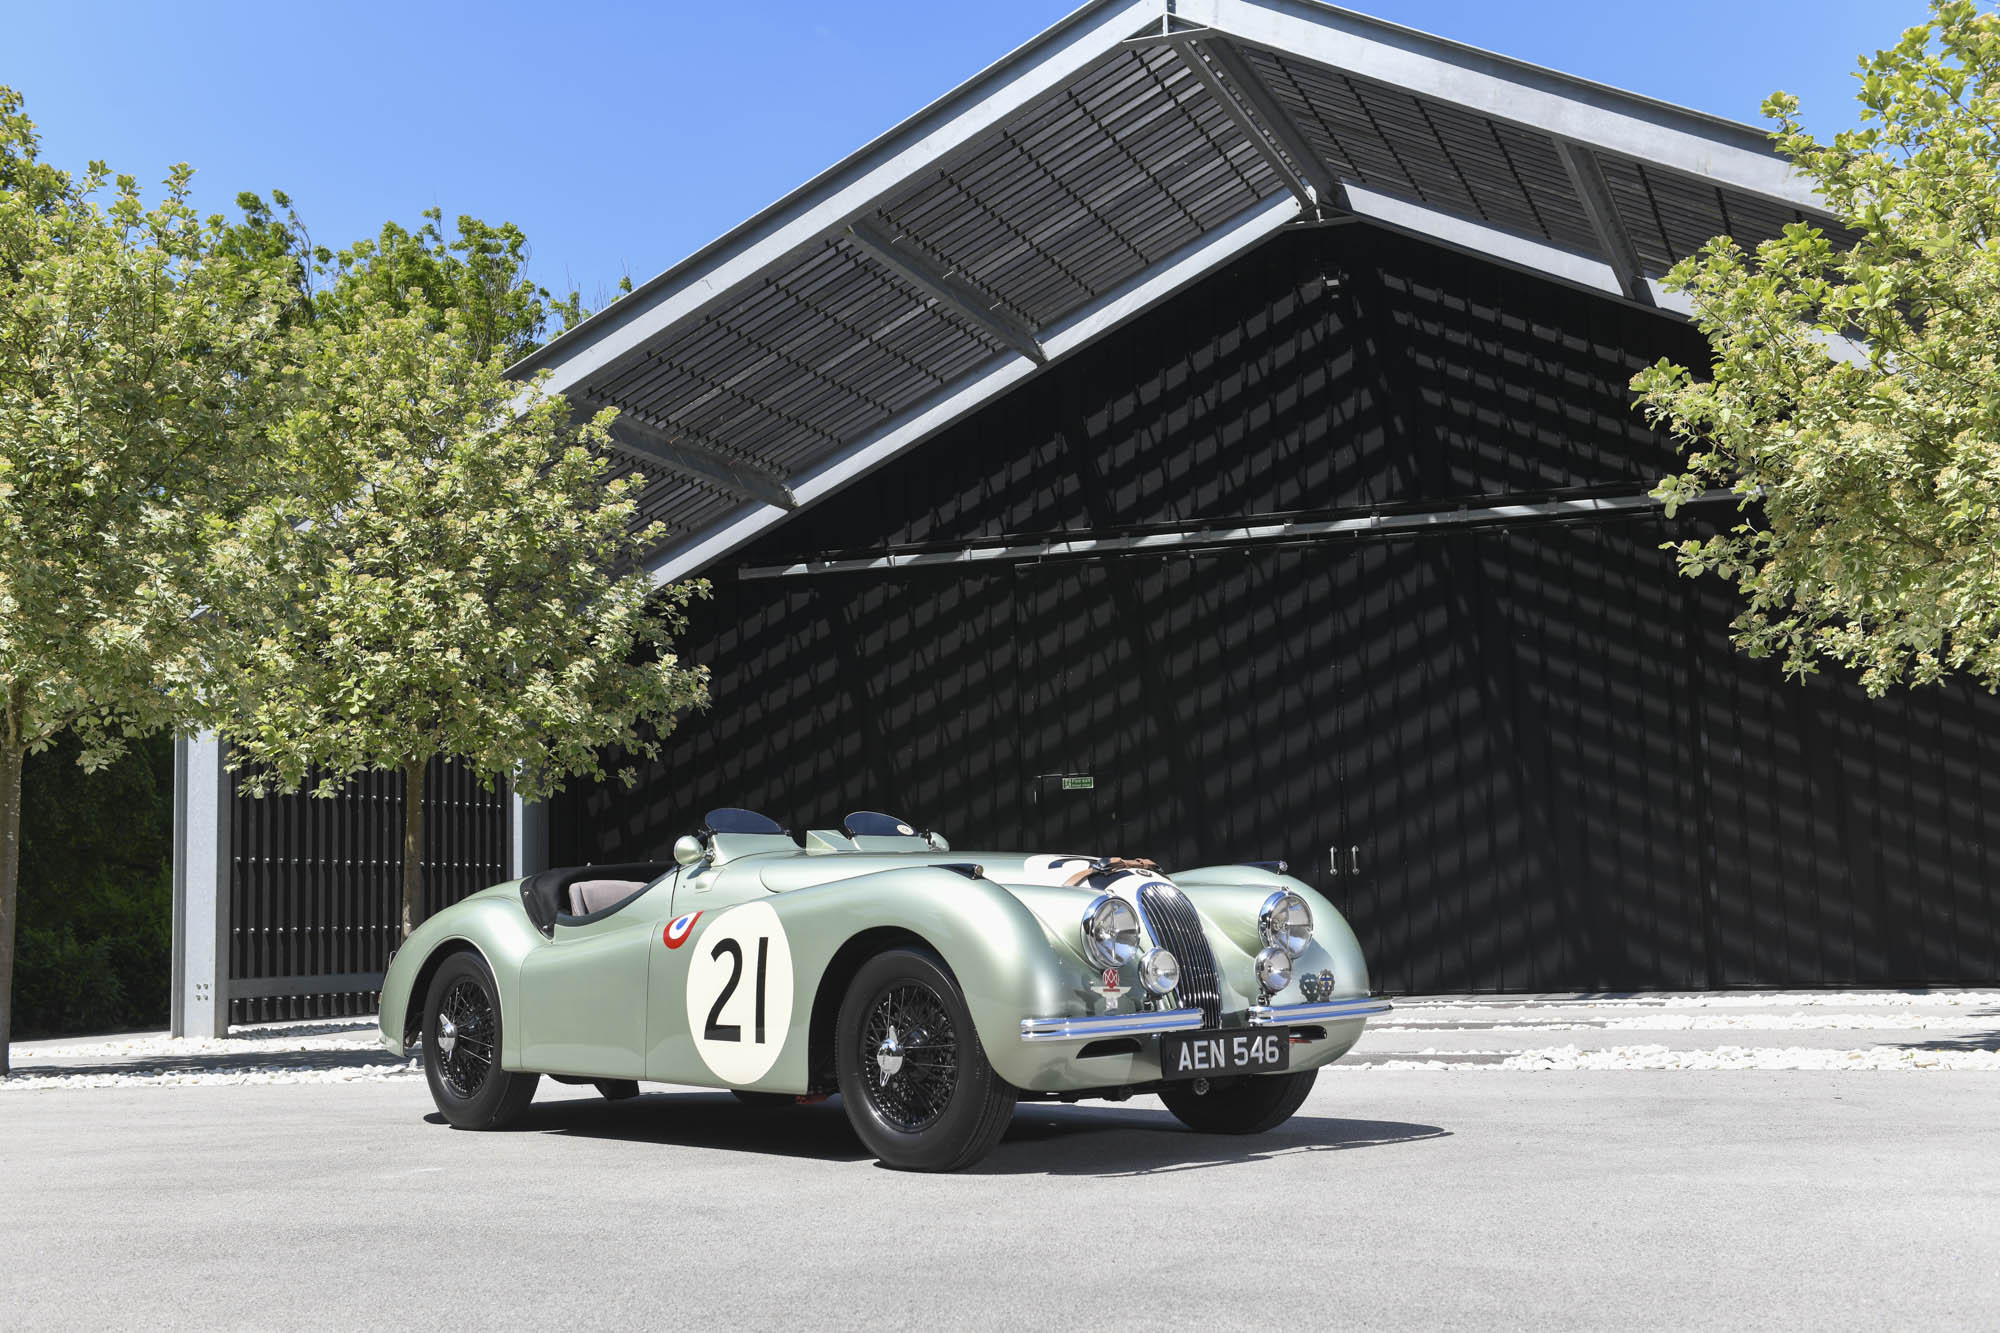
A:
(1207, 435)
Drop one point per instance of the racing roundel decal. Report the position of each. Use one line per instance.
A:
(906, 830)
(677, 931)
(739, 992)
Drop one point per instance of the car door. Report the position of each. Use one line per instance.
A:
(674, 1055)
(583, 994)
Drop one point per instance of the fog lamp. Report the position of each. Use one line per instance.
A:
(1274, 969)
(1161, 971)
(1286, 922)
(1110, 931)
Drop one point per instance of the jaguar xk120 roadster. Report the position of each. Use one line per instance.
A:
(931, 989)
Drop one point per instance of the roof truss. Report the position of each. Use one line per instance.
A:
(1116, 158)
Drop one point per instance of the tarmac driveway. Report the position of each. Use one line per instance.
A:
(1459, 1194)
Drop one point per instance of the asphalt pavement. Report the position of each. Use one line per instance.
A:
(1397, 1198)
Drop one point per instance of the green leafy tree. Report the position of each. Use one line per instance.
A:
(454, 573)
(129, 361)
(1854, 399)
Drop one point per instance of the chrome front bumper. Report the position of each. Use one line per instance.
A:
(1326, 1011)
(1092, 1026)
(1149, 1021)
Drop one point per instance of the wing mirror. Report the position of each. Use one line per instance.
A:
(688, 850)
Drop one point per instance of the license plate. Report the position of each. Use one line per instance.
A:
(1231, 1051)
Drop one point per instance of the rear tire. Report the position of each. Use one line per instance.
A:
(462, 1048)
(1249, 1106)
(918, 1088)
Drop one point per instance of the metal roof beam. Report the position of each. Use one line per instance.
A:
(700, 461)
(947, 288)
(1724, 152)
(823, 206)
(1277, 122)
(1527, 253)
(1598, 206)
(1174, 274)
(1288, 165)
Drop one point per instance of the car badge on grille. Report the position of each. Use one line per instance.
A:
(1109, 990)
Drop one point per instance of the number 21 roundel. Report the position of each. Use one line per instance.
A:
(739, 992)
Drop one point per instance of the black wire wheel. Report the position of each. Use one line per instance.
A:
(913, 1075)
(462, 1048)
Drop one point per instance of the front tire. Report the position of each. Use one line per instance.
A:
(918, 1088)
(462, 1048)
(1248, 1106)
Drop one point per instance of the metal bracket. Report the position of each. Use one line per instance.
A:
(700, 460)
(948, 289)
(1595, 195)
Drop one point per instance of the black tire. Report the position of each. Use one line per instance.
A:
(1247, 1106)
(464, 1072)
(937, 1105)
(769, 1101)
(616, 1089)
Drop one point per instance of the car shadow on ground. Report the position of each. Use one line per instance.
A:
(1044, 1139)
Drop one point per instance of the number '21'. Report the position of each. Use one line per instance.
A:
(717, 1031)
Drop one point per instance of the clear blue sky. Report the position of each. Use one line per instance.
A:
(623, 136)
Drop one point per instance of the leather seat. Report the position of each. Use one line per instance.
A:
(595, 895)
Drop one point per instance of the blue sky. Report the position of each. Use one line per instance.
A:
(623, 136)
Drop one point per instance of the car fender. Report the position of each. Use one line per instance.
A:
(490, 922)
(1005, 962)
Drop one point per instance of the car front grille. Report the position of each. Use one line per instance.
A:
(1176, 927)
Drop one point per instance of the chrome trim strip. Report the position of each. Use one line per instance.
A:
(1327, 1011)
(1140, 1024)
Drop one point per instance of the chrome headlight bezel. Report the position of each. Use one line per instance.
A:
(1160, 971)
(1274, 969)
(1110, 940)
(1285, 921)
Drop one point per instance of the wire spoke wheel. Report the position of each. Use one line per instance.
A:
(909, 1050)
(465, 1037)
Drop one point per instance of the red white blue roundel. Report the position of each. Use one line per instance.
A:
(677, 931)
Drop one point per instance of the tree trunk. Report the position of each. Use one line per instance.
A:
(12, 754)
(413, 845)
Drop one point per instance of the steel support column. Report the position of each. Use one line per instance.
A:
(527, 836)
(203, 795)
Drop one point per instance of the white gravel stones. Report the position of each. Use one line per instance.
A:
(1717, 1057)
(330, 1051)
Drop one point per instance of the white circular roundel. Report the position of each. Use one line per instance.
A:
(739, 992)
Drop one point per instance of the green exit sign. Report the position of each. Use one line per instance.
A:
(1081, 782)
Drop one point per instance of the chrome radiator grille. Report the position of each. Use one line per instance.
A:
(1176, 927)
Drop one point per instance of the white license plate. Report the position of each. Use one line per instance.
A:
(1231, 1051)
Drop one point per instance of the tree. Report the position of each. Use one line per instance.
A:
(129, 361)
(455, 574)
(1854, 399)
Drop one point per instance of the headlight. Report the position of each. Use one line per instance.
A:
(1161, 971)
(1274, 969)
(1286, 922)
(1110, 931)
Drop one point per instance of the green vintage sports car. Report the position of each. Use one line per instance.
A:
(930, 989)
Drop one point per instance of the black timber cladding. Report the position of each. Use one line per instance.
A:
(1533, 754)
(316, 886)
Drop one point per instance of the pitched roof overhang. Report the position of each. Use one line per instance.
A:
(1115, 159)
